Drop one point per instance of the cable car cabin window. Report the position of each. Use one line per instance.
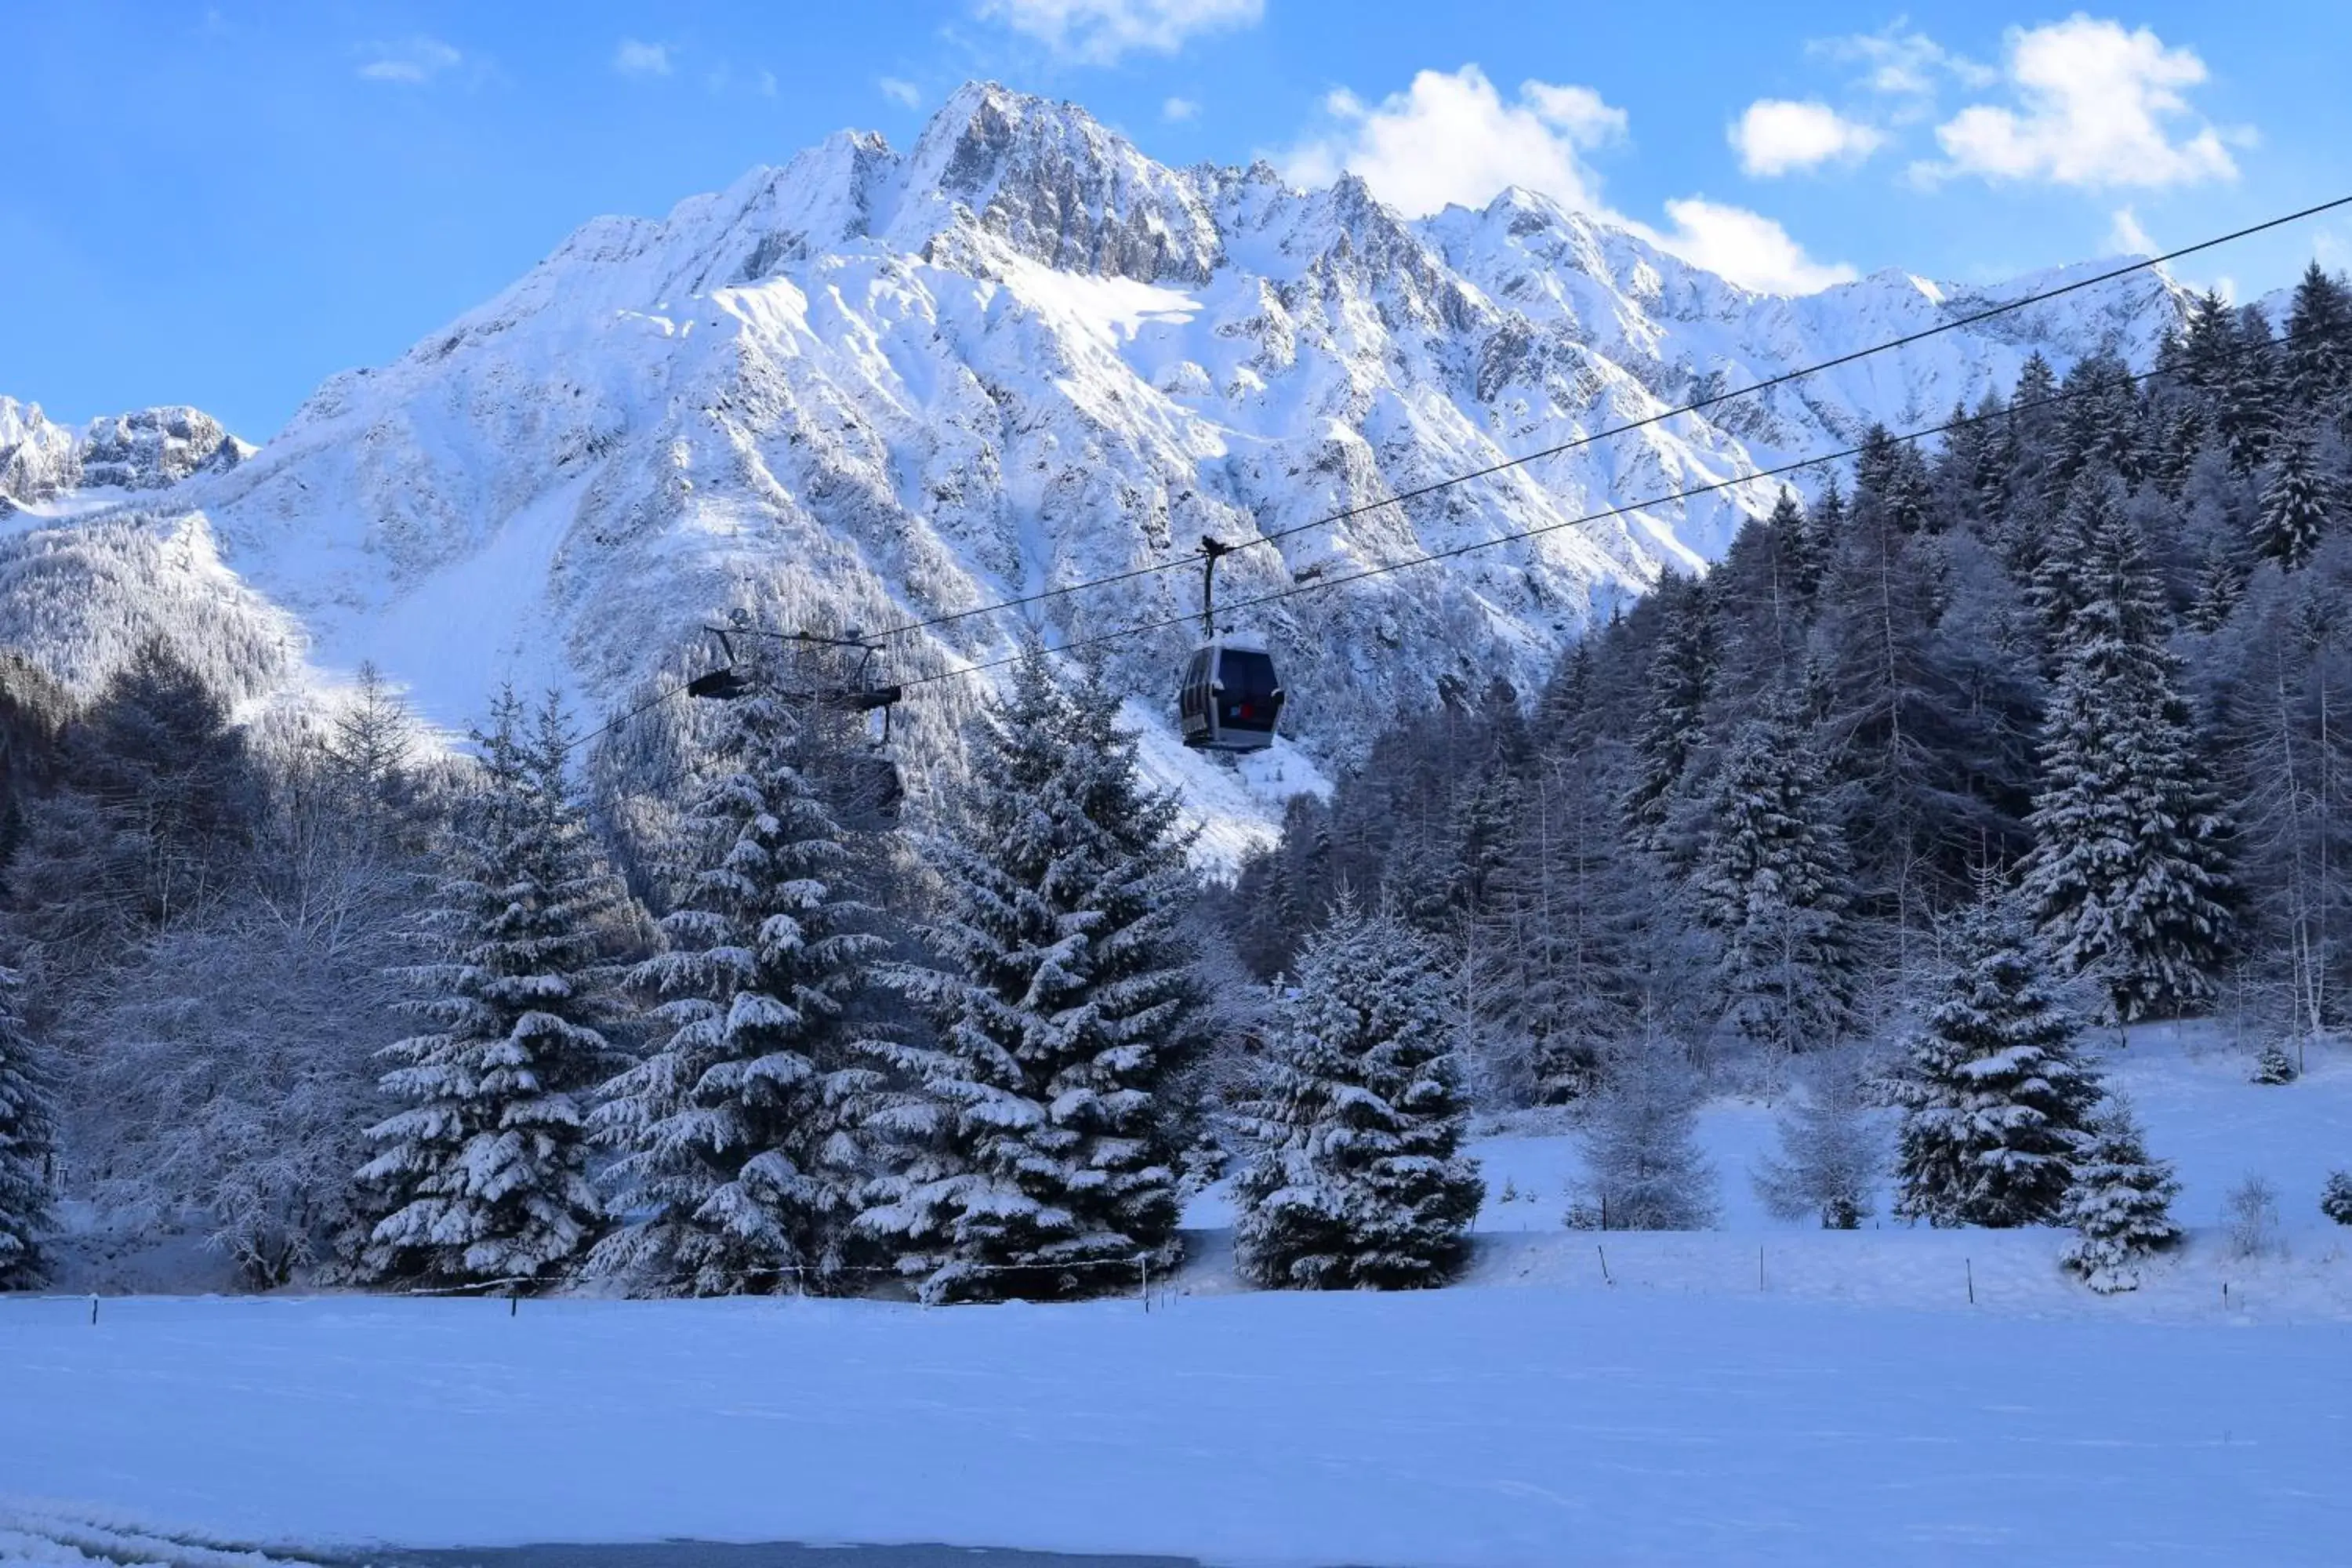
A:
(1192, 698)
(1247, 700)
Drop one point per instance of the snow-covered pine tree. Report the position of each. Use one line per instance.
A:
(1831, 1155)
(1772, 882)
(2126, 876)
(1681, 675)
(2251, 389)
(2273, 1065)
(741, 1136)
(1802, 553)
(1481, 837)
(2296, 508)
(484, 1175)
(1359, 1180)
(1642, 1166)
(2319, 343)
(1996, 1106)
(2336, 1198)
(2120, 1203)
(2209, 345)
(28, 1125)
(2099, 424)
(2220, 588)
(2060, 584)
(1036, 1157)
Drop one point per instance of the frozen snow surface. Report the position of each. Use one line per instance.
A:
(1848, 1403)
(880, 387)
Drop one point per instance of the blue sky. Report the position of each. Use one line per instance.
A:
(221, 206)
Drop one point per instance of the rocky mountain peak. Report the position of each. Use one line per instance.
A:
(145, 449)
(36, 455)
(1052, 181)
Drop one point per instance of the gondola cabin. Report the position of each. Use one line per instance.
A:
(1231, 696)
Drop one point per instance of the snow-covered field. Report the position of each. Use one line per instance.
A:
(1850, 1407)
(1473, 1426)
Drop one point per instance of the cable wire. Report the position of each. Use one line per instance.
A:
(1325, 584)
(1783, 379)
(2056, 399)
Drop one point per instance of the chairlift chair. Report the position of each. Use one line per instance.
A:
(877, 779)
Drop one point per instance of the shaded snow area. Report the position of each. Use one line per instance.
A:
(1470, 1427)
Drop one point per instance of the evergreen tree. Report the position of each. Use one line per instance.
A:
(2061, 580)
(1575, 903)
(2273, 1067)
(484, 1175)
(150, 827)
(2295, 506)
(1359, 1180)
(2220, 585)
(26, 1128)
(2319, 343)
(34, 707)
(740, 1135)
(2125, 875)
(2120, 1204)
(2248, 404)
(1037, 1158)
(1912, 715)
(2208, 346)
(1771, 883)
(2099, 421)
(1681, 672)
(1642, 1159)
(1831, 1155)
(1995, 1105)
(1802, 553)
(1481, 835)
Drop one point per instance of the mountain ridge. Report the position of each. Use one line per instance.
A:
(880, 387)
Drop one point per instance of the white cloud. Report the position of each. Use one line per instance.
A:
(1577, 112)
(1901, 64)
(1746, 247)
(2127, 237)
(412, 62)
(905, 94)
(765, 84)
(1777, 136)
(635, 57)
(2095, 106)
(1451, 138)
(1098, 32)
(1179, 109)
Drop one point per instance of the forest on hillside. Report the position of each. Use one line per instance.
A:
(2024, 729)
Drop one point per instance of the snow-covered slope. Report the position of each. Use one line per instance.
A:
(878, 387)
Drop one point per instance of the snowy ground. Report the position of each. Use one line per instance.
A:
(1850, 1404)
(1473, 1426)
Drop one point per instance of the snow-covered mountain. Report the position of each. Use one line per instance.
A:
(884, 386)
(146, 450)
